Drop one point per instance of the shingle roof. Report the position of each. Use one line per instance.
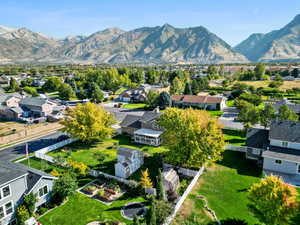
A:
(257, 138)
(286, 154)
(131, 121)
(17, 109)
(197, 99)
(33, 101)
(292, 106)
(127, 152)
(285, 131)
(10, 171)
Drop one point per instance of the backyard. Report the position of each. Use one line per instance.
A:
(134, 106)
(234, 137)
(102, 155)
(224, 185)
(81, 210)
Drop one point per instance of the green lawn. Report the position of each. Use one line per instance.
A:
(230, 103)
(216, 113)
(91, 154)
(225, 186)
(234, 137)
(81, 210)
(134, 106)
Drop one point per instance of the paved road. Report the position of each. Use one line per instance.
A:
(17, 151)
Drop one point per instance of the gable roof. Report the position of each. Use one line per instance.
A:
(31, 101)
(285, 131)
(10, 171)
(127, 152)
(135, 121)
(286, 154)
(197, 99)
(292, 106)
(257, 138)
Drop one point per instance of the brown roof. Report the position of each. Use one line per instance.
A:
(197, 99)
(176, 97)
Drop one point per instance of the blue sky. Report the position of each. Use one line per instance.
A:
(232, 20)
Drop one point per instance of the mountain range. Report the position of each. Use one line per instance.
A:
(160, 44)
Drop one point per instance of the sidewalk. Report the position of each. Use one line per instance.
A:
(29, 138)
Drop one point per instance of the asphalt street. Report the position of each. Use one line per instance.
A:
(17, 151)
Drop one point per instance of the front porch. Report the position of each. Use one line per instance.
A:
(147, 137)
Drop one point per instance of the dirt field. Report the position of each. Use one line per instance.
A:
(7, 128)
(286, 84)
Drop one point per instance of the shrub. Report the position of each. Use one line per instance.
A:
(22, 214)
(64, 187)
(55, 173)
(29, 202)
(78, 167)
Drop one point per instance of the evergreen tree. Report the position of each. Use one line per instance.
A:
(152, 218)
(13, 84)
(164, 100)
(188, 89)
(161, 187)
(97, 95)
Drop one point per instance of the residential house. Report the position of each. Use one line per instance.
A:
(143, 129)
(279, 148)
(203, 102)
(17, 181)
(37, 107)
(129, 160)
(133, 95)
(293, 106)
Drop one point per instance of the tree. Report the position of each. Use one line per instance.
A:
(52, 84)
(295, 72)
(136, 220)
(31, 90)
(152, 99)
(146, 180)
(187, 89)
(249, 114)
(63, 187)
(267, 114)
(29, 201)
(260, 70)
(164, 100)
(272, 201)
(177, 86)
(152, 218)
(66, 92)
(13, 85)
(89, 122)
(97, 95)
(162, 209)
(251, 98)
(161, 188)
(192, 137)
(285, 113)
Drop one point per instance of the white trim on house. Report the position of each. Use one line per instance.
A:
(4, 209)
(42, 188)
(148, 132)
(1, 192)
(46, 177)
(8, 182)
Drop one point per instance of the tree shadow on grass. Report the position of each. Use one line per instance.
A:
(230, 222)
(237, 160)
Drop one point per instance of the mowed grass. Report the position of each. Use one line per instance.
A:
(234, 137)
(89, 154)
(134, 106)
(216, 113)
(225, 185)
(81, 210)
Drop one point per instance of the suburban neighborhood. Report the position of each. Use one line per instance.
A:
(144, 123)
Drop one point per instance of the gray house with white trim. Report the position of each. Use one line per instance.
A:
(280, 149)
(16, 181)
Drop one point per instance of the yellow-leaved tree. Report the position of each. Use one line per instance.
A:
(89, 122)
(146, 180)
(272, 201)
(192, 137)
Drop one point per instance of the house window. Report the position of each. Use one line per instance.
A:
(284, 144)
(6, 191)
(255, 151)
(8, 208)
(43, 191)
(1, 212)
(277, 161)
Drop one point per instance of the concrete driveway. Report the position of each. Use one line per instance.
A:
(228, 119)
